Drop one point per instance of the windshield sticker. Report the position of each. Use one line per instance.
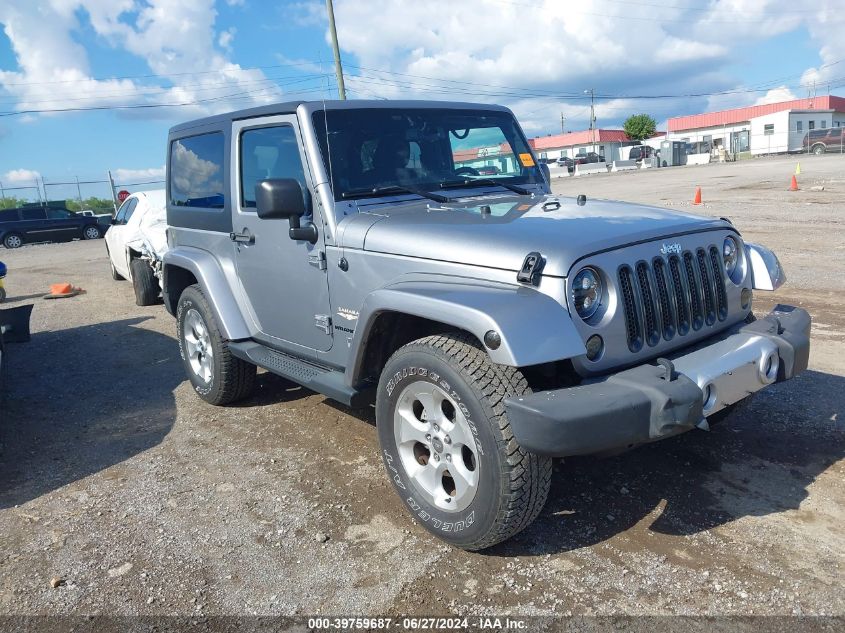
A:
(526, 159)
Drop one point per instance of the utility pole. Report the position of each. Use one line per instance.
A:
(592, 94)
(113, 192)
(562, 122)
(338, 68)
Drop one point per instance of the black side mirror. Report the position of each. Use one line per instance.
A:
(284, 198)
(279, 198)
(112, 220)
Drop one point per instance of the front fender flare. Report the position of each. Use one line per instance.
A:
(534, 328)
(212, 280)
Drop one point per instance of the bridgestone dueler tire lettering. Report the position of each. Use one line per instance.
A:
(513, 484)
(232, 378)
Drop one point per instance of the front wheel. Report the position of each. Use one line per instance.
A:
(447, 444)
(144, 283)
(217, 376)
(13, 240)
(91, 232)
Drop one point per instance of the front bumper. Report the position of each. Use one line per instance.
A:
(652, 402)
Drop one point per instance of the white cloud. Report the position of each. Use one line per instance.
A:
(441, 49)
(20, 177)
(776, 94)
(173, 37)
(224, 40)
(133, 175)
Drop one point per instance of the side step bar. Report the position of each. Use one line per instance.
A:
(309, 374)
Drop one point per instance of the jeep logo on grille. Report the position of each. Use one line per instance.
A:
(668, 249)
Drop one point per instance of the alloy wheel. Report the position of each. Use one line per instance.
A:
(436, 446)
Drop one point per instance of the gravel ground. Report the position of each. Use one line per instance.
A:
(116, 479)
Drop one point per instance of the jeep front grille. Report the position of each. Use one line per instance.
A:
(668, 297)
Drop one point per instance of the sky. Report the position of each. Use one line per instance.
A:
(88, 86)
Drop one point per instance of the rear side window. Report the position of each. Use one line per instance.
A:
(196, 171)
(9, 215)
(33, 214)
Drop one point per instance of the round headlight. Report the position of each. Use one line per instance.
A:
(586, 292)
(730, 254)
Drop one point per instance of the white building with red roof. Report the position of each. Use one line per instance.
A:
(607, 143)
(771, 128)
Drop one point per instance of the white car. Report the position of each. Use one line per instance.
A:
(136, 242)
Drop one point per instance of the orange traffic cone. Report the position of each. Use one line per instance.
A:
(794, 185)
(697, 199)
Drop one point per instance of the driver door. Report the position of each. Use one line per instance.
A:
(284, 281)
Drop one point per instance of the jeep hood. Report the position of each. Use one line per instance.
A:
(559, 228)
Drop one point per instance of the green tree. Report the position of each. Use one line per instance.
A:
(100, 205)
(10, 202)
(639, 126)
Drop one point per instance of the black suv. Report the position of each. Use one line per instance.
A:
(45, 224)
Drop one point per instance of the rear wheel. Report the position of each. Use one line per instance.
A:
(91, 232)
(144, 283)
(13, 240)
(818, 150)
(216, 375)
(447, 444)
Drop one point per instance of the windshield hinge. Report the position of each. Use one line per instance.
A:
(323, 322)
(318, 259)
(532, 266)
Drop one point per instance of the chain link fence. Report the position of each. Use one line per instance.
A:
(99, 196)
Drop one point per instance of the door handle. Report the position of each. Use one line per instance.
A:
(244, 237)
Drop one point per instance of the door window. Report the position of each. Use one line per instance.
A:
(58, 214)
(130, 210)
(268, 152)
(33, 214)
(120, 216)
(125, 211)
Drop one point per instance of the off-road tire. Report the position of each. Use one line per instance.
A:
(232, 378)
(512, 484)
(12, 240)
(144, 283)
(91, 232)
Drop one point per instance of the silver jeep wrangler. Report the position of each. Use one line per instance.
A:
(411, 255)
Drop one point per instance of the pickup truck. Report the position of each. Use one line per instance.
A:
(349, 247)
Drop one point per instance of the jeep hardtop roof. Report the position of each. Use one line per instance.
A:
(289, 107)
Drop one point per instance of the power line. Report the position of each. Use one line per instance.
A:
(159, 90)
(165, 76)
(143, 106)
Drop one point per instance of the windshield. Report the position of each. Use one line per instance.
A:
(421, 149)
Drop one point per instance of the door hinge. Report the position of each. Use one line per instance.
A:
(318, 259)
(323, 322)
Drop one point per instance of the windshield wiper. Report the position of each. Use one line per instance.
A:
(469, 182)
(391, 189)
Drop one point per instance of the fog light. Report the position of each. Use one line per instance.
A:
(745, 298)
(492, 339)
(595, 346)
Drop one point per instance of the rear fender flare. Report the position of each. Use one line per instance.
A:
(212, 280)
